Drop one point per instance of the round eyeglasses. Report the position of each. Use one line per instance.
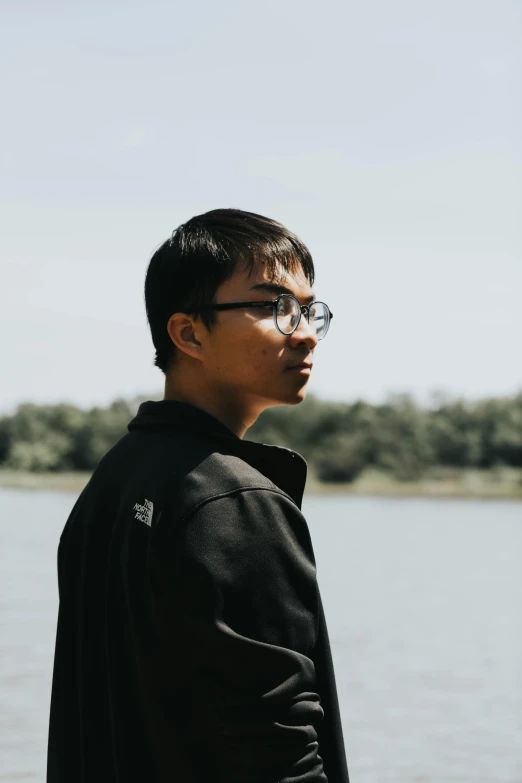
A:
(287, 313)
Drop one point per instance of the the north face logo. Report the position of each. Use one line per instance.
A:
(144, 512)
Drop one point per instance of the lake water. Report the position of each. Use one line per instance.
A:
(423, 601)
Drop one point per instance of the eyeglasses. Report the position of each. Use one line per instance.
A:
(287, 313)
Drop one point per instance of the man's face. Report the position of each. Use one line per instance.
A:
(247, 359)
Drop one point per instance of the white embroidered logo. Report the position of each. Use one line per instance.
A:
(144, 512)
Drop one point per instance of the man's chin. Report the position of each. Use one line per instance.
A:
(296, 396)
(287, 397)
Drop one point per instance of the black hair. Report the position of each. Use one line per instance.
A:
(186, 270)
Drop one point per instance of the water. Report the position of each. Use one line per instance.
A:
(423, 600)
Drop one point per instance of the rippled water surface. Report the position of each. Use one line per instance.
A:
(423, 601)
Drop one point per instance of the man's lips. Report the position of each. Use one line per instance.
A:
(302, 366)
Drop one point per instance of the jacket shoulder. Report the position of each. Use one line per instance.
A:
(218, 475)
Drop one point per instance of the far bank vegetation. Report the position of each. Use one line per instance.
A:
(340, 441)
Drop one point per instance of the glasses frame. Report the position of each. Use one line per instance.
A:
(273, 303)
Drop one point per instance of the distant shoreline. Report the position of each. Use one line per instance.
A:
(503, 484)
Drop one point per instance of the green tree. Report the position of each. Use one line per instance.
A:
(403, 447)
(342, 459)
(102, 428)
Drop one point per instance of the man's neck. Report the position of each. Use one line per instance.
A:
(225, 411)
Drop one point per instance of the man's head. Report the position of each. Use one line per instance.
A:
(234, 359)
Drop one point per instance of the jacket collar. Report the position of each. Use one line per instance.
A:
(286, 468)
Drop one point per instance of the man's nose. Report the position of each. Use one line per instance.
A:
(306, 332)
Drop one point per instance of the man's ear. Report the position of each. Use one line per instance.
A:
(183, 331)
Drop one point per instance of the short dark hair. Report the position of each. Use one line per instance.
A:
(186, 270)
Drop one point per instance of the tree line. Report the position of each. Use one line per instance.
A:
(338, 440)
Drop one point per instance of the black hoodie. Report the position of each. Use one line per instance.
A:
(191, 644)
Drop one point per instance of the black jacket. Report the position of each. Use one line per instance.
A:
(191, 643)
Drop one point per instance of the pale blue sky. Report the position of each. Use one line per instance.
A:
(386, 134)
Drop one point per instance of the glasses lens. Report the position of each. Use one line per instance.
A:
(288, 313)
(320, 318)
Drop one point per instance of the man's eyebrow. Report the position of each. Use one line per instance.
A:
(276, 288)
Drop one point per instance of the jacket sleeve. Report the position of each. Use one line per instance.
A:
(247, 566)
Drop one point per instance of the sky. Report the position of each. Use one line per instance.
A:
(387, 135)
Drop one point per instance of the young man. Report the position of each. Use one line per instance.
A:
(191, 643)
